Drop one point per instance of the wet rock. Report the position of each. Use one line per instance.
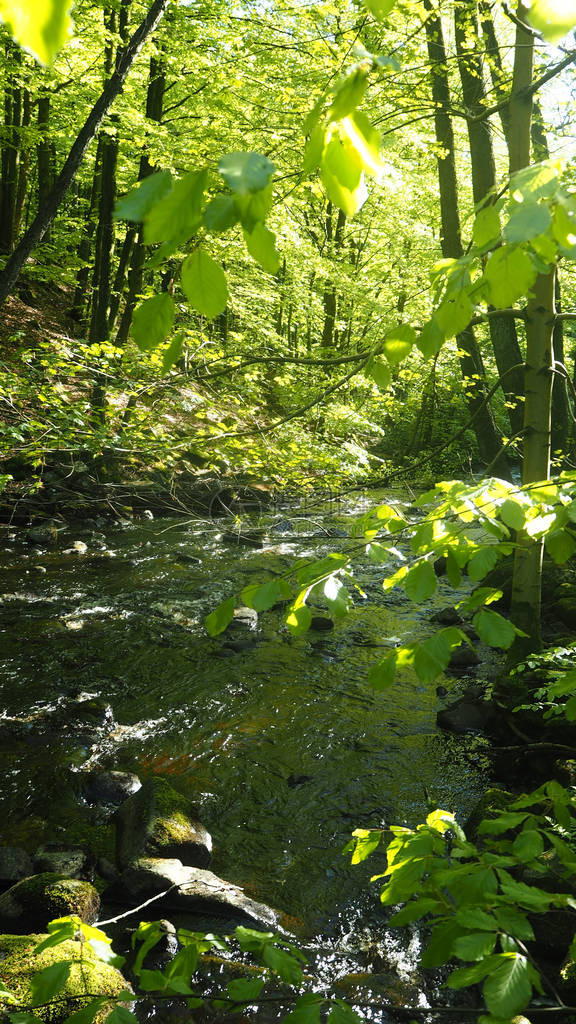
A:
(106, 869)
(321, 624)
(244, 618)
(89, 710)
(284, 526)
(15, 864)
(67, 861)
(19, 963)
(43, 534)
(447, 617)
(468, 714)
(462, 658)
(254, 539)
(189, 889)
(492, 799)
(33, 902)
(109, 788)
(159, 822)
(239, 646)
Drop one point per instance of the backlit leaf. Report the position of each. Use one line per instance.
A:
(493, 629)
(528, 220)
(204, 284)
(486, 226)
(553, 18)
(49, 982)
(261, 244)
(246, 172)
(177, 216)
(510, 275)
(221, 617)
(398, 343)
(153, 321)
(509, 989)
(421, 581)
(41, 26)
(141, 199)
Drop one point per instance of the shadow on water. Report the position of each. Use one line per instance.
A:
(278, 740)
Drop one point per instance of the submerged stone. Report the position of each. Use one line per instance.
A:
(15, 864)
(157, 821)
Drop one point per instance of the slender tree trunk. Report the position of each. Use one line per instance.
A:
(471, 365)
(503, 334)
(24, 163)
(81, 299)
(46, 215)
(154, 112)
(527, 579)
(10, 147)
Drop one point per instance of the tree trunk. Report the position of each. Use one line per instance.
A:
(527, 579)
(46, 214)
(503, 334)
(471, 365)
(10, 147)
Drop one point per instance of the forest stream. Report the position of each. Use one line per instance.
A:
(278, 740)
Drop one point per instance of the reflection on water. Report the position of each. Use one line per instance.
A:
(277, 740)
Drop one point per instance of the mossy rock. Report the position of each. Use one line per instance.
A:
(157, 821)
(491, 800)
(33, 902)
(18, 965)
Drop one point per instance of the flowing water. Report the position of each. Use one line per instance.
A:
(278, 740)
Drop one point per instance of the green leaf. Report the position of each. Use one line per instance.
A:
(560, 545)
(475, 946)
(383, 673)
(152, 981)
(40, 26)
(306, 1010)
(337, 597)
(66, 929)
(414, 911)
(265, 596)
(493, 629)
(314, 149)
(454, 314)
(508, 990)
(380, 9)
(398, 343)
(378, 370)
(510, 275)
(421, 582)
(465, 976)
(486, 226)
(365, 140)
(21, 1017)
(441, 945)
(46, 984)
(432, 656)
(341, 1013)
(261, 244)
(527, 221)
(299, 619)
(431, 338)
(538, 181)
(221, 617)
(173, 352)
(480, 598)
(512, 514)
(138, 203)
(244, 989)
(250, 940)
(529, 897)
(178, 215)
(313, 572)
(246, 172)
(514, 923)
(348, 94)
(285, 965)
(221, 214)
(204, 284)
(366, 841)
(473, 917)
(482, 562)
(152, 321)
(553, 18)
(120, 1015)
(501, 823)
(528, 845)
(342, 175)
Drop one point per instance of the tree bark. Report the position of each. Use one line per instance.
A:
(471, 364)
(87, 133)
(503, 334)
(527, 578)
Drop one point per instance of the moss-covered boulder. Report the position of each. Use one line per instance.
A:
(159, 822)
(32, 903)
(18, 964)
